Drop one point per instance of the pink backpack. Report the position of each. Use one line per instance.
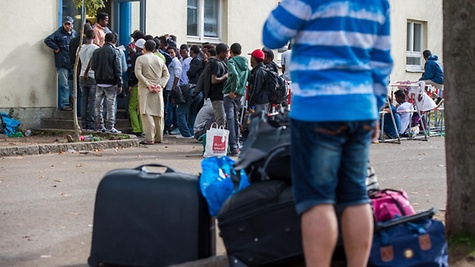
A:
(389, 203)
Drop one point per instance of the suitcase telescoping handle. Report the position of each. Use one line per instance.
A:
(143, 168)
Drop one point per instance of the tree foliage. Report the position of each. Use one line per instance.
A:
(91, 6)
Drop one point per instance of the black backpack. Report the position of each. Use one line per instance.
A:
(277, 87)
(266, 152)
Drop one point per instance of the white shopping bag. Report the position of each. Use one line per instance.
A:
(216, 141)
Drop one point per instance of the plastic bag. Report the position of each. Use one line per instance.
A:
(216, 181)
(216, 141)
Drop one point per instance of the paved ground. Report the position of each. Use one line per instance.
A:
(47, 200)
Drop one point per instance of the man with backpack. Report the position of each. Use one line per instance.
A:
(258, 93)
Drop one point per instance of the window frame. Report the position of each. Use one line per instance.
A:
(410, 51)
(201, 38)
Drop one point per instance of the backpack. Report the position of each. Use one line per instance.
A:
(181, 94)
(277, 87)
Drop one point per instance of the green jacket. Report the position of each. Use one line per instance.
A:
(238, 73)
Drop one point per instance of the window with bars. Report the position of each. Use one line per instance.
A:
(414, 46)
(203, 18)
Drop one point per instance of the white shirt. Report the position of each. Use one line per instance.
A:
(404, 112)
(285, 60)
(185, 65)
(85, 56)
(175, 70)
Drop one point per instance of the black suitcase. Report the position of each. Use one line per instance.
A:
(144, 218)
(260, 226)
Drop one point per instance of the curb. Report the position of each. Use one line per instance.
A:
(58, 148)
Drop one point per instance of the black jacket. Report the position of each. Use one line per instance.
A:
(61, 39)
(105, 63)
(204, 81)
(258, 86)
(196, 68)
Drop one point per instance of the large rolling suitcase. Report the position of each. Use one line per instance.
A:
(260, 226)
(144, 218)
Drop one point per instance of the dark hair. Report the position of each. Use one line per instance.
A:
(400, 93)
(184, 46)
(116, 36)
(157, 42)
(196, 49)
(171, 47)
(148, 37)
(150, 45)
(137, 35)
(221, 47)
(110, 38)
(236, 48)
(101, 16)
(426, 53)
(268, 53)
(209, 46)
(212, 52)
(204, 44)
(87, 27)
(89, 34)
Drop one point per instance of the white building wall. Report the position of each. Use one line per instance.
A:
(429, 11)
(27, 72)
(166, 17)
(28, 80)
(245, 21)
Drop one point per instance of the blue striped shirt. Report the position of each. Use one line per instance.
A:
(341, 57)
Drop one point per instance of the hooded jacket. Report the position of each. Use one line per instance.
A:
(238, 73)
(258, 88)
(433, 70)
(61, 39)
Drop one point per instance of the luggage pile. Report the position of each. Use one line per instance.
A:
(260, 227)
(162, 218)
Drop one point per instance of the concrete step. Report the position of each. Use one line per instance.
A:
(64, 120)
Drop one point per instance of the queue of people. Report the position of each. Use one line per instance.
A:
(215, 74)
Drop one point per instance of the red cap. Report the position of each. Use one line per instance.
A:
(258, 54)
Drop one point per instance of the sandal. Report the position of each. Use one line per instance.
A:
(146, 142)
(67, 108)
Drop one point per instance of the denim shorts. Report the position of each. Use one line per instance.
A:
(329, 161)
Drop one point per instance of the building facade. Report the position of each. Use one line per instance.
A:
(28, 77)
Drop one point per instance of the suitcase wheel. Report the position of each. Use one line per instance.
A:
(92, 261)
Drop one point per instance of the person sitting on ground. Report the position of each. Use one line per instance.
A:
(404, 110)
(390, 127)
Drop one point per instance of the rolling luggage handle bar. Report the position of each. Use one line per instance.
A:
(143, 168)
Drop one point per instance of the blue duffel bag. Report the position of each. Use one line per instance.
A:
(415, 240)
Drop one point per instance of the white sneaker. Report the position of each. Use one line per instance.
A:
(114, 130)
(183, 137)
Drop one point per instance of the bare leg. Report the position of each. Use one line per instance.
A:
(319, 235)
(357, 230)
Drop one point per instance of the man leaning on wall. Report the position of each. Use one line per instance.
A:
(59, 41)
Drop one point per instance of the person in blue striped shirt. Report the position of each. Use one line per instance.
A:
(340, 67)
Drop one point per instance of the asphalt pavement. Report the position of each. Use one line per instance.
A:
(47, 201)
